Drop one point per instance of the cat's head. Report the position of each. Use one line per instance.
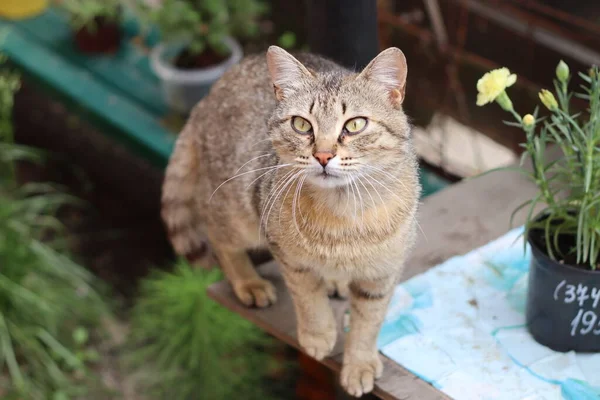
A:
(338, 126)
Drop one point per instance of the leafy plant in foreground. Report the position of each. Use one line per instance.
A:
(189, 347)
(46, 300)
(569, 187)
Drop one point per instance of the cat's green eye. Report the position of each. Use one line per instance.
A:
(301, 125)
(356, 125)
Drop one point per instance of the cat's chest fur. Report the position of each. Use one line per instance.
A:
(352, 239)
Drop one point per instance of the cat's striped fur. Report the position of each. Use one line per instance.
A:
(243, 177)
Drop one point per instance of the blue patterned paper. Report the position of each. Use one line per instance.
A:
(461, 327)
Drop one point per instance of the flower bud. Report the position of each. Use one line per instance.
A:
(562, 71)
(528, 120)
(547, 99)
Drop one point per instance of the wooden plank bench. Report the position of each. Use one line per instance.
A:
(455, 220)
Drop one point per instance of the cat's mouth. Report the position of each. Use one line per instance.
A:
(327, 175)
(327, 179)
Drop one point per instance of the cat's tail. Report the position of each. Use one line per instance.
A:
(179, 209)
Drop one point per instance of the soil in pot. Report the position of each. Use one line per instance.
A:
(105, 38)
(566, 252)
(563, 300)
(208, 58)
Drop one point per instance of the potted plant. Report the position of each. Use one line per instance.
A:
(197, 44)
(563, 303)
(96, 24)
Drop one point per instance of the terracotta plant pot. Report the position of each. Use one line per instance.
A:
(563, 301)
(105, 39)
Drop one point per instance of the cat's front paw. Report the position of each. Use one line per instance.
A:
(255, 292)
(337, 287)
(318, 345)
(359, 373)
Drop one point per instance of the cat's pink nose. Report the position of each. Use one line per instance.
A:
(323, 157)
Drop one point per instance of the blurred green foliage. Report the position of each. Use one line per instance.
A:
(84, 13)
(287, 40)
(48, 303)
(205, 23)
(188, 347)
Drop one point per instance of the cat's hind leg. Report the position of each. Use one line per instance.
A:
(179, 207)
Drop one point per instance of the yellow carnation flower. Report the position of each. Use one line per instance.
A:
(493, 84)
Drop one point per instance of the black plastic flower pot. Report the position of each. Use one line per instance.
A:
(563, 302)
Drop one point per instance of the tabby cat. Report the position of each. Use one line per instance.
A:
(315, 163)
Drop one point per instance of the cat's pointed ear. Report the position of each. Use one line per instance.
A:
(286, 72)
(389, 70)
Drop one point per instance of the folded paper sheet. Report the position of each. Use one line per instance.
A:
(461, 327)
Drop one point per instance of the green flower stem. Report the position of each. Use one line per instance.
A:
(540, 177)
(517, 116)
(538, 167)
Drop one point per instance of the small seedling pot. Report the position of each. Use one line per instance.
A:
(104, 39)
(563, 302)
(184, 88)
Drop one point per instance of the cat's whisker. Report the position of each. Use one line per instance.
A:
(353, 196)
(366, 190)
(394, 178)
(271, 193)
(288, 180)
(299, 205)
(288, 184)
(283, 202)
(275, 186)
(245, 173)
(260, 176)
(260, 141)
(420, 228)
(295, 202)
(294, 208)
(271, 197)
(384, 186)
(362, 206)
(249, 161)
(274, 190)
(401, 200)
(387, 211)
(348, 192)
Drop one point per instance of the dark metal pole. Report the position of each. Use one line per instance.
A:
(343, 30)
